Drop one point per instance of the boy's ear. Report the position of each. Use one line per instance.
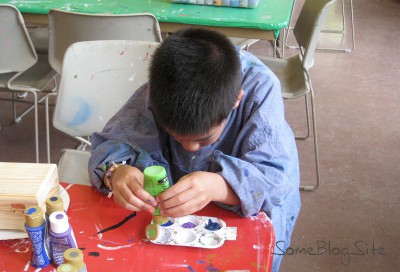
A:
(239, 98)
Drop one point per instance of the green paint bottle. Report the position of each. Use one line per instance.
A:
(155, 182)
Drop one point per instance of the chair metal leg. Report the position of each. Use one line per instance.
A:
(52, 93)
(36, 126)
(290, 28)
(18, 119)
(316, 156)
(34, 107)
(308, 121)
(48, 126)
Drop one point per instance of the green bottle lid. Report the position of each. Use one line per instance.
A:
(155, 172)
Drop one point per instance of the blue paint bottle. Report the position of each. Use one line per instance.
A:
(35, 226)
(61, 236)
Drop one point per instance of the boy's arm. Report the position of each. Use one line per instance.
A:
(260, 184)
(263, 167)
(119, 140)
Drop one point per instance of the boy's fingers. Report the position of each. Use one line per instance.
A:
(184, 209)
(174, 190)
(136, 190)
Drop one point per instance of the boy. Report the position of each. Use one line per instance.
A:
(214, 118)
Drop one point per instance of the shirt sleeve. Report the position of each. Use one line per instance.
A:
(118, 141)
(265, 167)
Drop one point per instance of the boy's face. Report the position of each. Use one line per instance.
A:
(192, 143)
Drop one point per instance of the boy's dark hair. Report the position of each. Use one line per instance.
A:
(195, 79)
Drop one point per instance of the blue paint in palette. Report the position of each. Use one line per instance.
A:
(212, 225)
(169, 223)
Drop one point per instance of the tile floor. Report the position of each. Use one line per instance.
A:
(351, 223)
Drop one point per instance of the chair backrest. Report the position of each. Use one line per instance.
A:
(67, 28)
(17, 52)
(97, 78)
(309, 25)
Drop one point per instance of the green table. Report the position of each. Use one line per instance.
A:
(263, 22)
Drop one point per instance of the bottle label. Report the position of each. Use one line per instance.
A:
(60, 244)
(40, 257)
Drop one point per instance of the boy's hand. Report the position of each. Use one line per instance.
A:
(193, 192)
(127, 184)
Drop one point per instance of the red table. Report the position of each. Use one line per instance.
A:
(125, 248)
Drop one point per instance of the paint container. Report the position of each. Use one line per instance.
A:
(61, 236)
(53, 204)
(66, 268)
(235, 3)
(243, 3)
(155, 182)
(74, 256)
(156, 233)
(192, 231)
(35, 226)
(253, 3)
(217, 2)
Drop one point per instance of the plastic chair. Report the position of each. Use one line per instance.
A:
(21, 69)
(97, 78)
(293, 72)
(341, 31)
(66, 28)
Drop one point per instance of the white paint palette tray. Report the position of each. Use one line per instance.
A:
(191, 231)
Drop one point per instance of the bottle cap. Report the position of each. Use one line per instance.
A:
(74, 256)
(54, 204)
(155, 180)
(34, 216)
(155, 172)
(59, 222)
(66, 267)
(153, 231)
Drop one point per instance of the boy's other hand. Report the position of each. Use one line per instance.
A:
(193, 192)
(127, 183)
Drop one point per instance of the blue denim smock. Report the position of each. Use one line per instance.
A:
(256, 153)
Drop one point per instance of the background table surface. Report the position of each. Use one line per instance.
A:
(126, 248)
(269, 15)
